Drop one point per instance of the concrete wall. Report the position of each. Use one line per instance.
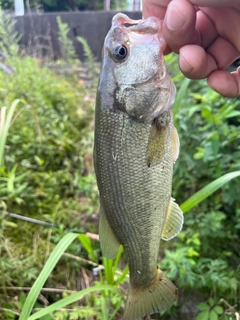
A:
(40, 31)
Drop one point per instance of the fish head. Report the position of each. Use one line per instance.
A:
(133, 72)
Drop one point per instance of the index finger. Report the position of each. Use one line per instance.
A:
(216, 3)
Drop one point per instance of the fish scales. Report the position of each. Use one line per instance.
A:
(135, 147)
(129, 189)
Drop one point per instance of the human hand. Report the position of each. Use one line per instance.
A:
(206, 35)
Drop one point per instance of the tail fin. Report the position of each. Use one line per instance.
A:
(157, 297)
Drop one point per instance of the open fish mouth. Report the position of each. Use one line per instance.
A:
(137, 28)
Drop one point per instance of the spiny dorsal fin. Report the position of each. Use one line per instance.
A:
(109, 243)
(174, 221)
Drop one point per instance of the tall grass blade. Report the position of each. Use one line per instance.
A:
(208, 190)
(122, 276)
(181, 95)
(116, 309)
(47, 269)
(68, 300)
(87, 244)
(108, 270)
(6, 116)
(116, 261)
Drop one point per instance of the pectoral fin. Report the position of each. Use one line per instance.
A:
(174, 221)
(176, 144)
(159, 139)
(109, 243)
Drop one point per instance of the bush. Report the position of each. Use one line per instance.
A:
(48, 164)
(48, 175)
(205, 259)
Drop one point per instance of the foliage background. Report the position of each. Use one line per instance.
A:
(48, 175)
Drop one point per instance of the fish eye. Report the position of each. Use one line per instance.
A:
(120, 52)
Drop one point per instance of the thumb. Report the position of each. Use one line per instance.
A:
(179, 25)
(227, 84)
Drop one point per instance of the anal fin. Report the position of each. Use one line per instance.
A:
(109, 243)
(174, 221)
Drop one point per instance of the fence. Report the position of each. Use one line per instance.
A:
(40, 31)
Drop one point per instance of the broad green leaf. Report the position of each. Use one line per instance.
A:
(47, 269)
(218, 309)
(205, 192)
(203, 315)
(203, 306)
(213, 315)
(211, 302)
(70, 299)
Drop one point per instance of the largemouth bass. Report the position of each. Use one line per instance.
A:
(135, 147)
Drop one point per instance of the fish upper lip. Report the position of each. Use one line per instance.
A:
(149, 26)
(121, 18)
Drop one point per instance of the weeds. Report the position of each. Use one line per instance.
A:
(6, 116)
(66, 45)
(8, 39)
(47, 173)
(213, 310)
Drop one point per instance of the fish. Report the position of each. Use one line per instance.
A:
(135, 148)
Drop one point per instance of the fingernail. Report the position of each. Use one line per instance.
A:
(174, 19)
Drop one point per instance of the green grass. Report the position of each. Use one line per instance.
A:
(6, 117)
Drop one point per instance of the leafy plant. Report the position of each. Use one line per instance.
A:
(66, 45)
(92, 66)
(209, 311)
(8, 38)
(47, 167)
(55, 256)
(204, 260)
(50, 264)
(90, 58)
(48, 174)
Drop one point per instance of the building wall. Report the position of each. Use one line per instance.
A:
(40, 31)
